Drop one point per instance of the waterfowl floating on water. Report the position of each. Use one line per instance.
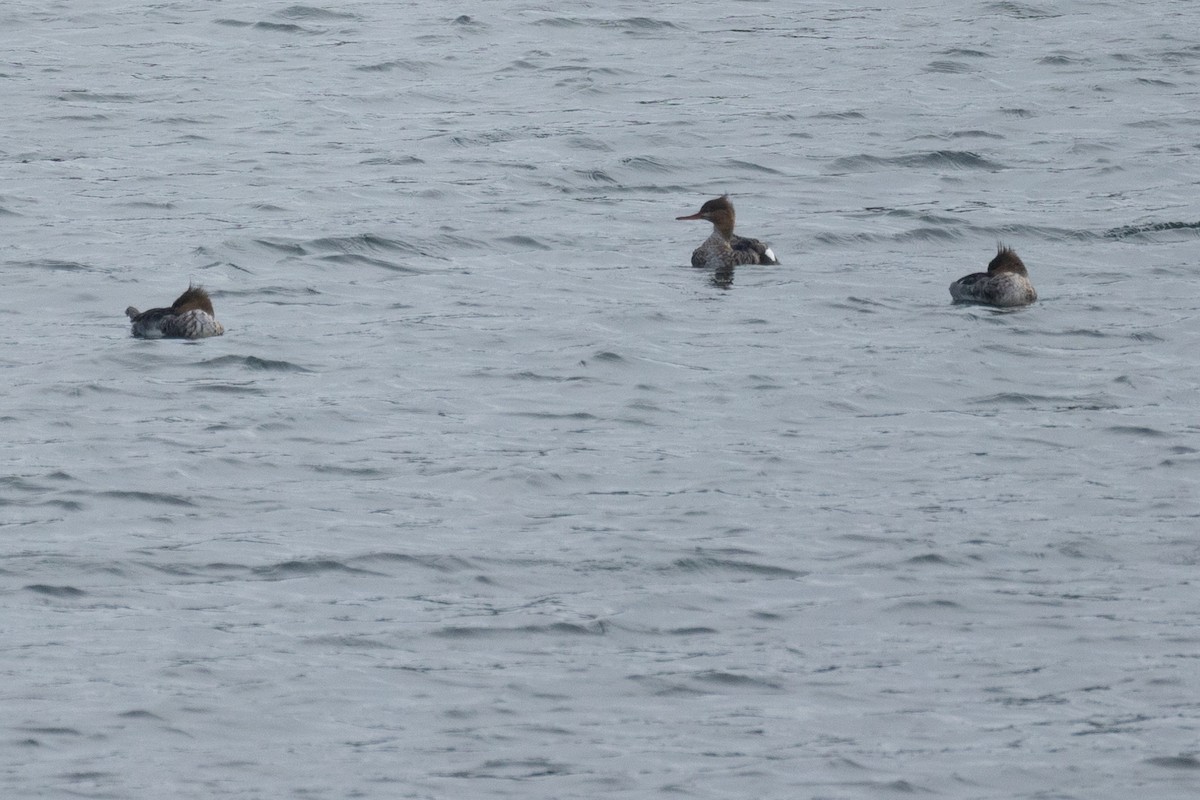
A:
(725, 249)
(1005, 284)
(191, 316)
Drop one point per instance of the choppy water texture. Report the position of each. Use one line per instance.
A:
(486, 493)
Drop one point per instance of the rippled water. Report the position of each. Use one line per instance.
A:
(485, 493)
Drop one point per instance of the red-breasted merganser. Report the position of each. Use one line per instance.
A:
(1005, 284)
(189, 317)
(724, 248)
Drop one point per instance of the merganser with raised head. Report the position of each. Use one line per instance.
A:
(189, 317)
(1005, 284)
(723, 248)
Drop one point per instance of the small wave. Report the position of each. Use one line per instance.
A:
(646, 23)
(1137, 430)
(404, 65)
(1084, 403)
(149, 497)
(525, 242)
(1090, 333)
(1040, 700)
(357, 642)
(50, 730)
(974, 134)
(484, 139)
(957, 159)
(512, 769)
(865, 305)
(630, 24)
(925, 235)
(254, 363)
(665, 687)
(1062, 60)
(1177, 56)
(648, 164)
(87, 96)
(453, 241)
(1020, 10)
(709, 564)
(369, 261)
(363, 242)
(562, 22)
(1147, 230)
(312, 12)
(65, 505)
(731, 680)
(283, 27)
(231, 388)
(272, 291)
(596, 176)
(281, 246)
(934, 559)
(1175, 762)
(436, 563)
(368, 249)
(966, 53)
(140, 713)
(1006, 233)
(393, 161)
(148, 204)
(838, 239)
(949, 67)
(530, 375)
(353, 472)
(568, 415)
(927, 605)
(596, 628)
(50, 264)
(752, 167)
(589, 143)
(921, 215)
(54, 591)
(296, 568)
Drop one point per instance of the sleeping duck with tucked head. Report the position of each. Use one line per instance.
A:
(725, 249)
(191, 316)
(1005, 284)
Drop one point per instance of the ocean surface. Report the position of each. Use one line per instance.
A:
(486, 492)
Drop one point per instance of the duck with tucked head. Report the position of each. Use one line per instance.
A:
(1005, 284)
(724, 248)
(189, 317)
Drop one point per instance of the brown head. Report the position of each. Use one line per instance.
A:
(194, 297)
(719, 212)
(1007, 261)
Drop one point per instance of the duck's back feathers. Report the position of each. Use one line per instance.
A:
(762, 254)
(718, 252)
(1005, 284)
(1004, 290)
(191, 316)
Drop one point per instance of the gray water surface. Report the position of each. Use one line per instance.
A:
(486, 493)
